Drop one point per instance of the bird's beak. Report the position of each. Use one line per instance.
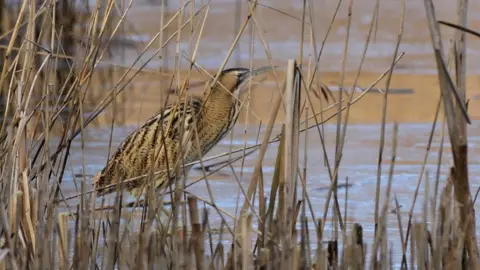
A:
(255, 72)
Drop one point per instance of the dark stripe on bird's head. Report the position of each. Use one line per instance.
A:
(244, 73)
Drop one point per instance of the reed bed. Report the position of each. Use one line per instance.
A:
(46, 84)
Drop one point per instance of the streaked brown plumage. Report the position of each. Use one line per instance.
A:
(211, 117)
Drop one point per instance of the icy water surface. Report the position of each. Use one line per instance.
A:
(281, 33)
(358, 164)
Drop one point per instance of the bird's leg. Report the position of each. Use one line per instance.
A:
(186, 173)
(160, 192)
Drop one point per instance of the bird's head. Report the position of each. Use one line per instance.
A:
(233, 79)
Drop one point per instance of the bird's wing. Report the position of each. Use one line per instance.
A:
(134, 154)
(188, 139)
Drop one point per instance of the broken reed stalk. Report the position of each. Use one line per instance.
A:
(457, 118)
(462, 185)
(197, 240)
(292, 118)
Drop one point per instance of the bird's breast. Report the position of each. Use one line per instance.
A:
(216, 127)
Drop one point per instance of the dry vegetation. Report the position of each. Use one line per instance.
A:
(46, 76)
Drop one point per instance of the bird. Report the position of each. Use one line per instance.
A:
(189, 128)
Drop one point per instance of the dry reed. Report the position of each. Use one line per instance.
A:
(42, 229)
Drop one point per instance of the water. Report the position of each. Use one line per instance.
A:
(281, 33)
(358, 164)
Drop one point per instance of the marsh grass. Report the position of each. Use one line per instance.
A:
(45, 74)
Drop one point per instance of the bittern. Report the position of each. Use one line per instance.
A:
(188, 130)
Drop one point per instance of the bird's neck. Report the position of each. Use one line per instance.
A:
(218, 116)
(217, 105)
